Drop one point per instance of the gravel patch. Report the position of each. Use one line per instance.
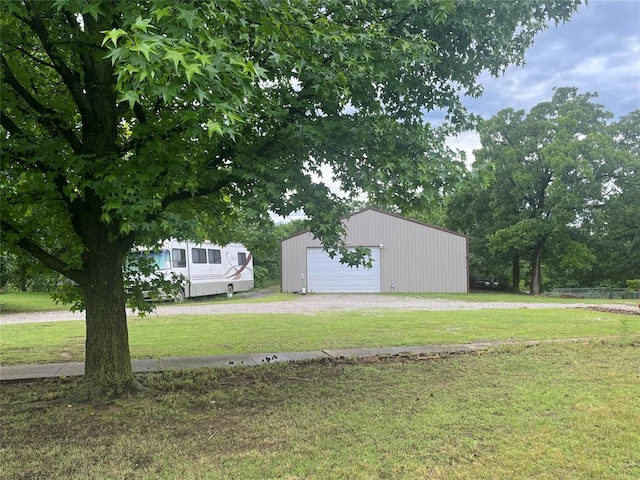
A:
(307, 304)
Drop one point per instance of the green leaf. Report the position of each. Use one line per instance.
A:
(188, 16)
(113, 36)
(142, 24)
(93, 9)
(176, 56)
(191, 70)
(146, 48)
(130, 96)
(213, 127)
(162, 12)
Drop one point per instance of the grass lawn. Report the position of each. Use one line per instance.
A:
(515, 297)
(201, 335)
(26, 302)
(566, 411)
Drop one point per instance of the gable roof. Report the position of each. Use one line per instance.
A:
(382, 212)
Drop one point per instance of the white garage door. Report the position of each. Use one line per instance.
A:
(328, 275)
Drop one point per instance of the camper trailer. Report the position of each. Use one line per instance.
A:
(208, 269)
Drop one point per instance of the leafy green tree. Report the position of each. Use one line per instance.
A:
(124, 121)
(467, 211)
(615, 233)
(552, 169)
(17, 270)
(570, 260)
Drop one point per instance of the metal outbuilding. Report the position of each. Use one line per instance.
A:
(408, 256)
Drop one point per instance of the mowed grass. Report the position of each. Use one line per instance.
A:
(27, 302)
(567, 411)
(491, 296)
(202, 335)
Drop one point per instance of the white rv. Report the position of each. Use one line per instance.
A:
(208, 269)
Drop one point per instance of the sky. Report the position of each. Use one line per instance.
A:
(598, 50)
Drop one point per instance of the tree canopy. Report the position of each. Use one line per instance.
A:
(123, 122)
(552, 172)
(615, 230)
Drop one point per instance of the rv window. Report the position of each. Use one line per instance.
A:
(242, 258)
(161, 258)
(179, 257)
(199, 255)
(215, 256)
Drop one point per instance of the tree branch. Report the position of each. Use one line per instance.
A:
(9, 125)
(41, 254)
(185, 195)
(139, 112)
(69, 77)
(35, 59)
(59, 179)
(47, 117)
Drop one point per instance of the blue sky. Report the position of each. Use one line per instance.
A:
(598, 50)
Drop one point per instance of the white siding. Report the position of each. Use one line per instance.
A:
(328, 275)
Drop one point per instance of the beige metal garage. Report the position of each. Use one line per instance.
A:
(408, 256)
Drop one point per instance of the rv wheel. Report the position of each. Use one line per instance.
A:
(179, 296)
(229, 291)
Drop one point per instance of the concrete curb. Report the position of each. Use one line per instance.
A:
(73, 369)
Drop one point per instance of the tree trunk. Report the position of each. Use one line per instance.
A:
(515, 273)
(108, 371)
(536, 271)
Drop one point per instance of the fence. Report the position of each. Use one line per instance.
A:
(595, 292)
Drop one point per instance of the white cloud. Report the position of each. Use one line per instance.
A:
(596, 51)
(466, 142)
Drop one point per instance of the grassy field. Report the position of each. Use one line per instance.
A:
(201, 335)
(26, 302)
(513, 297)
(566, 411)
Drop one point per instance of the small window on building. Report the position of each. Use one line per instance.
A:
(215, 256)
(242, 258)
(179, 256)
(199, 255)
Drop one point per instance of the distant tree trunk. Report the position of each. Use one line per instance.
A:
(536, 271)
(21, 277)
(515, 273)
(108, 371)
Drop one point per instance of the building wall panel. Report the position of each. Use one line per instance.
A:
(414, 257)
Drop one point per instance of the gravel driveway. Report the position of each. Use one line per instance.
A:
(304, 304)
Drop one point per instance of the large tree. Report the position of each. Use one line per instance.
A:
(614, 236)
(467, 210)
(123, 120)
(553, 168)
